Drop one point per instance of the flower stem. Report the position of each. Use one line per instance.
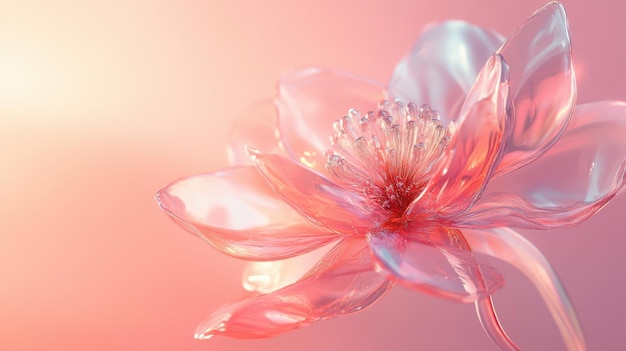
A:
(491, 324)
(509, 246)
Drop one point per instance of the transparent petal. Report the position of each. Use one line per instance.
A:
(268, 276)
(434, 260)
(508, 246)
(542, 82)
(257, 126)
(315, 197)
(576, 178)
(237, 212)
(344, 282)
(308, 103)
(475, 147)
(443, 65)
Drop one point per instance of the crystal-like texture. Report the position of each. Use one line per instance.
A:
(416, 182)
(388, 155)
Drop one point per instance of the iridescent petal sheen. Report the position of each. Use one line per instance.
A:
(434, 260)
(542, 82)
(315, 197)
(255, 127)
(236, 211)
(308, 103)
(443, 65)
(569, 183)
(344, 282)
(474, 149)
(512, 248)
(268, 276)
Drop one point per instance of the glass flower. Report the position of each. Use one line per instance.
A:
(475, 135)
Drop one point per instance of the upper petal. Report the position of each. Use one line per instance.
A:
(308, 103)
(236, 211)
(443, 65)
(434, 260)
(475, 147)
(542, 82)
(315, 197)
(343, 282)
(257, 127)
(571, 182)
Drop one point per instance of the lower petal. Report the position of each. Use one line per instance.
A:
(268, 276)
(344, 282)
(436, 261)
(508, 246)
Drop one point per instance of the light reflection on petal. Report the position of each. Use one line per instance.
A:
(344, 282)
(443, 65)
(542, 83)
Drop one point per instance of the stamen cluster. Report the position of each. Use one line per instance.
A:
(387, 155)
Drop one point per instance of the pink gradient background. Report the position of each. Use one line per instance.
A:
(102, 103)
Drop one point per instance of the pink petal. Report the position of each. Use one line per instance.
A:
(257, 126)
(475, 147)
(571, 182)
(343, 283)
(442, 66)
(236, 211)
(512, 248)
(434, 260)
(269, 276)
(542, 80)
(318, 199)
(309, 102)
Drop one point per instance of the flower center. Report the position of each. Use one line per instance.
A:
(387, 155)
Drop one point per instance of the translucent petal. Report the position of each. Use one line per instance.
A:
(475, 147)
(508, 246)
(318, 199)
(310, 100)
(543, 83)
(443, 65)
(577, 177)
(257, 126)
(344, 282)
(266, 277)
(434, 260)
(237, 212)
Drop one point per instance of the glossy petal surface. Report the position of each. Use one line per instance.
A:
(318, 199)
(256, 127)
(571, 182)
(344, 282)
(543, 84)
(443, 65)
(237, 212)
(475, 147)
(308, 103)
(268, 276)
(508, 246)
(436, 261)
